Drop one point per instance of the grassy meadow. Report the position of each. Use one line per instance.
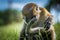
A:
(57, 29)
(11, 31)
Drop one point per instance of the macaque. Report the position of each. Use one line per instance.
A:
(27, 13)
(41, 15)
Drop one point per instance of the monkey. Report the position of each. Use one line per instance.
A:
(42, 16)
(32, 10)
(27, 13)
(50, 20)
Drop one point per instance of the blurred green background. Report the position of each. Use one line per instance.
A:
(11, 19)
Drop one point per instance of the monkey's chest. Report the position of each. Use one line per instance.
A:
(40, 23)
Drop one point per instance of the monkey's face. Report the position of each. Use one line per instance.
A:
(36, 12)
(30, 11)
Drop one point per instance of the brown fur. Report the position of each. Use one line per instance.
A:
(42, 15)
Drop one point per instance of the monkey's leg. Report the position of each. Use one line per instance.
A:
(52, 35)
(52, 31)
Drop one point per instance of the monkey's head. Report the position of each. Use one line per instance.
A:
(29, 11)
(37, 11)
(40, 12)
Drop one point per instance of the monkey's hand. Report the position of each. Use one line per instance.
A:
(48, 22)
(36, 29)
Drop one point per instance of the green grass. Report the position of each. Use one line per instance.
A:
(11, 31)
(57, 29)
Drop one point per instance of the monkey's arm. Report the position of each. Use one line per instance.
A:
(48, 22)
(49, 26)
(52, 31)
